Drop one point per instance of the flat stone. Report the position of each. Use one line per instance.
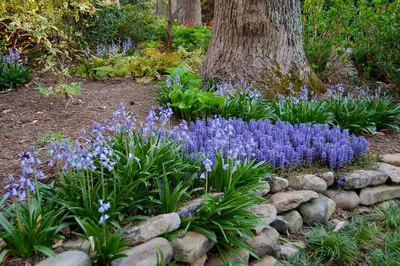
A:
(317, 210)
(266, 261)
(190, 208)
(241, 258)
(393, 159)
(393, 172)
(286, 201)
(293, 220)
(363, 178)
(287, 251)
(191, 246)
(344, 199)
(68, 258)
(329, 178)
(307, 182)
(200, 261)
(146, 254)
(340, 225)
(77, 244)
(372, 195)
(265, 242)
(278, 184)
(151, 228)
(267, 214)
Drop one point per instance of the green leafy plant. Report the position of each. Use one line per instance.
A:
(193, 103)
(33, 228)
(229, 217)
(242, 106)
(106, 245)
(191, 37)
(13, 74)
(228, 174)
(301, 111)
(333, 247)
(389, 217)
(66, 90)
(352, 113)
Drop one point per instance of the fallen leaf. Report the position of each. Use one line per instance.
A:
(34, 122)
(7, 111)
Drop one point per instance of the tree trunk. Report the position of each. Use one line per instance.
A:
(188, 12)
(260, 42)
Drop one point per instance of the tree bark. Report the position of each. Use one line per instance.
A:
(188, 12)
(260, 42)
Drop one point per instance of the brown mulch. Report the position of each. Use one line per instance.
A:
(26, 116)
(384, 142)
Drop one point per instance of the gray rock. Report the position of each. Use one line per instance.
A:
(264, 190)
(307, 182)
(267, 214)
(317, 210)
(266, 261)
(293, 220)
(265, 242)
(68, 258)
(287, 251)
(241, 258)
(329, 178)
(392, 171)
(344, 199)
(151, 228)
(363, 178)
(146, 254)
(278, 184)
(286, 201)
(191, 247)
(280, 225)
(372, 195)
(393, 159)
(190, 208)
(340, 225)
(77, 244)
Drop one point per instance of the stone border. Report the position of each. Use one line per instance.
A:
(297, 200)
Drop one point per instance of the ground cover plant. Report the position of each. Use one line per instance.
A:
(367, 240)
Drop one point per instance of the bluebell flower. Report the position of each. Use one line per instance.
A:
(207, 164)
(104, 218)
(103, 206)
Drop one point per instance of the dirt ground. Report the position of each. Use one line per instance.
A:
(29, 119)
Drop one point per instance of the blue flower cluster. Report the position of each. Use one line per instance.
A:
(14, 57)
(29, 164)
(283, 144)
(97, 144)
(112, 49)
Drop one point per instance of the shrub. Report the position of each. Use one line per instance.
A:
(327, 28)
(282, 144)
(13, 72)
(144, 67)
(376, 46)
(191, 37)
(129, 21)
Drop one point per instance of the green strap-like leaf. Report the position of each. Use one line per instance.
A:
(46, 251)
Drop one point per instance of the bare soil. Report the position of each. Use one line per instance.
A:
(27, 117)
